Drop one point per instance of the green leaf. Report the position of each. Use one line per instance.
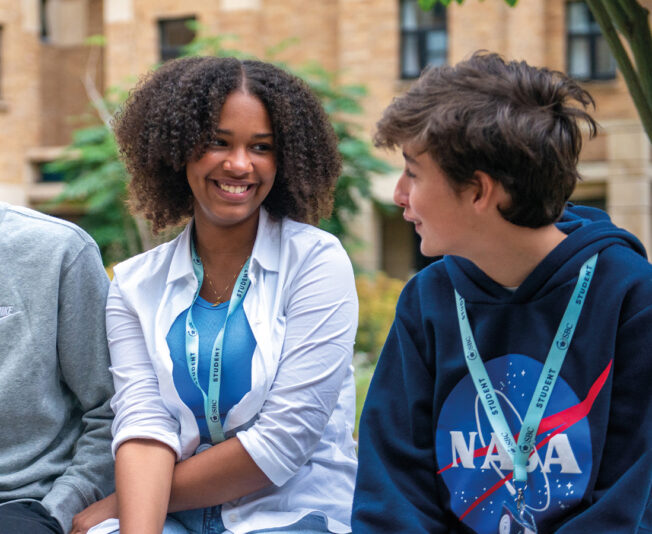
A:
(93, 135)
(427, 5)
(272, 51)
(95, 40)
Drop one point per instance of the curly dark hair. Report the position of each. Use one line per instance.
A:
(171, 115)
(513, 121)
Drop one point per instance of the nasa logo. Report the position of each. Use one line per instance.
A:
(192, 332)
(477, 471)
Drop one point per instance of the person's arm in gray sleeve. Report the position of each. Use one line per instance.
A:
(84, 364)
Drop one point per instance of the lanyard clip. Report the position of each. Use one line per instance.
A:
(520, 496)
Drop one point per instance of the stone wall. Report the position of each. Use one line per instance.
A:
(40, 83)
(19, 94)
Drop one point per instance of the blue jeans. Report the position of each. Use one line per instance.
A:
(209, 521)
(27, 516)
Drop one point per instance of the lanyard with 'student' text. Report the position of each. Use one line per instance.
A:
(520, 451)
(212, 397)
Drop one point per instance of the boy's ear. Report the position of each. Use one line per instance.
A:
(483, 190)
(488, 195)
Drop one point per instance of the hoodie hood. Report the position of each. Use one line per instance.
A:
(589, 231)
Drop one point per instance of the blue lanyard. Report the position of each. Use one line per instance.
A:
(212, 397)
(520, 452)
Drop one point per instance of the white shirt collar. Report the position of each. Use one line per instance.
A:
(266, 251)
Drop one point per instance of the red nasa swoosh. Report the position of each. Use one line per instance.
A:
(558, 422)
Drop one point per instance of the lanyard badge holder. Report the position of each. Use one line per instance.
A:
(516, 519)
(212, 396)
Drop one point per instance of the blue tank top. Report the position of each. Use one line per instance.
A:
(239, 345)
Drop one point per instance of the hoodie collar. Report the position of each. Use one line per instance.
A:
(589, 231)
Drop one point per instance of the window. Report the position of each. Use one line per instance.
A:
(591, 193)
(43, 19)
(174, 34)
(423, 37)
(588, 55)
(46, 174)
(1, 28)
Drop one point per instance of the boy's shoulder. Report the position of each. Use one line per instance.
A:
(27, 224)
(627, 276)
(425, 288)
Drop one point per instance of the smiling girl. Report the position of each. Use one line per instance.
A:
(231, 345)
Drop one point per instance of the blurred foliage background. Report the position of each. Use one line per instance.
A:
(96, 180)
(378, 294)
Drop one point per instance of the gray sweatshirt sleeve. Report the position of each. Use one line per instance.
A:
(84, 365)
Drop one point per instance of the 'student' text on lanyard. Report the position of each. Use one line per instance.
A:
(212, 396)
(520, 451)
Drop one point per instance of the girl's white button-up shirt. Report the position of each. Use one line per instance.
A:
(296, 422)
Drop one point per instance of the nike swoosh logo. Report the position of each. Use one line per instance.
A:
(7, 311)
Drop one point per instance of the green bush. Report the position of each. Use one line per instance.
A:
(378, 295)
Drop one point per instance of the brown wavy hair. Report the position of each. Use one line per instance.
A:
(169, 119)
(517, 123)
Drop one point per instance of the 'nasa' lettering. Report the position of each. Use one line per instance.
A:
(558, 452)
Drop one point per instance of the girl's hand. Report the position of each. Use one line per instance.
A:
(95, 514)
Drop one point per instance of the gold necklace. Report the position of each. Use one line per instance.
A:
(219, 298)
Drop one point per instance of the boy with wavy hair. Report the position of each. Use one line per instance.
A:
(512, 394)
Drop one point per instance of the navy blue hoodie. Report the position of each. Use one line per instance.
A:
(428, 461)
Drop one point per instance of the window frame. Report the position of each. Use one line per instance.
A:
(591, 37)
(167, 51)
(421, 33)
(44, 23)
(2, 36)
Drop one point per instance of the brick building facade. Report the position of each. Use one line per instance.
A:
(379, 43)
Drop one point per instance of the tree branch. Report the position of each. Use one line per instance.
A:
(641, 46)
(624, 63)
(619, 17)
(91, 89)
(631, 8)
(636, 31)
(144, 233)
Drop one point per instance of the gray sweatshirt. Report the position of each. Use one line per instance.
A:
(55, 386)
